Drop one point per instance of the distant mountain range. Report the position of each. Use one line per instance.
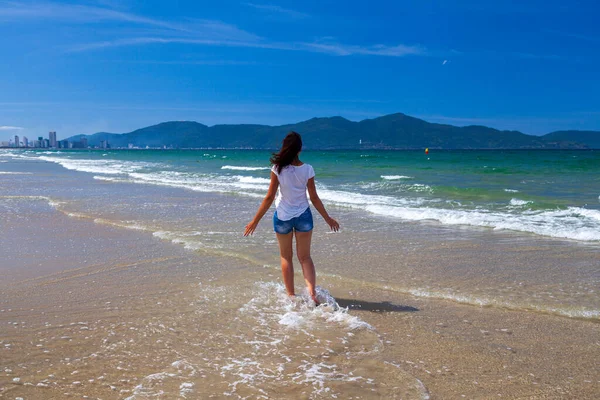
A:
(394, 131)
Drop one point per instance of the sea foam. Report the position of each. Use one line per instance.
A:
(243, 168)
(571, 312)
(395, 177)
(410, 202)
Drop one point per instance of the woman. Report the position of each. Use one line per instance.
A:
(293, 215)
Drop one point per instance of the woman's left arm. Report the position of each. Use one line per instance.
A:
(266, 203)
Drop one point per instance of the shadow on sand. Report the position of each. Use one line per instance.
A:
(384, 306)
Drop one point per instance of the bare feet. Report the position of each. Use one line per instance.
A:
(314, 298)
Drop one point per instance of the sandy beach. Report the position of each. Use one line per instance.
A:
(94, 305)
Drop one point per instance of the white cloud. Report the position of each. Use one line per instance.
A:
(375, 50)
(11, 11)
(337, 49)
(165, 40)
(189, 31)
(218, 30)
(10, 128)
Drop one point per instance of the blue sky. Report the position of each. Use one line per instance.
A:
(108, 65)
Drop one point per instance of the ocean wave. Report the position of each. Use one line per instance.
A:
(251, 179)
(518, 202)
(395, 177)
(132, 225)
(197, 184)
(571, 312)
(51, 202)
(243, 168)
(14, 155)
(106, 167)
(418, 187)
(573, 223)
(15, 173)
(358, 200)
(203, 183)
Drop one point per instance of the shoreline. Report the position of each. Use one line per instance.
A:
(127, 313)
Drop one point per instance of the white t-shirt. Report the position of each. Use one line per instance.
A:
(291, 200)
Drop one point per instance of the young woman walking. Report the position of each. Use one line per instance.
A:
(293, 216)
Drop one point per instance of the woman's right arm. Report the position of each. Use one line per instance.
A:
(264, 206)
(314, 198)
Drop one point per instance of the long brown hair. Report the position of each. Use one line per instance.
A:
(291, 146)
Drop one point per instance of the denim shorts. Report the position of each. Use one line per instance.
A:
(301, 223)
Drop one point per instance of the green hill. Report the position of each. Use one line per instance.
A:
(394, 131)
(589, 138)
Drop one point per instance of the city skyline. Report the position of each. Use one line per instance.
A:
(119, 66)
(50, 143)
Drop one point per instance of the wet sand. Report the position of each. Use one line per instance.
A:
(136, 317)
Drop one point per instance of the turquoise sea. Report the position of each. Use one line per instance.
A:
(545, 193)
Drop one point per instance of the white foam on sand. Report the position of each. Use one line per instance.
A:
(51, 202)
(188, 240)
(300, 312)
(571, 312)
(292, 342)
(179, 374)
(186, 388)
(317, 349)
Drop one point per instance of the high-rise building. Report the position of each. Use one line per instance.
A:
(25, 142)
(52, 138)
(17, 141)
(84, 142)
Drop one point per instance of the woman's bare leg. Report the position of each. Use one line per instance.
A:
(303, 240)
(287, 267)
